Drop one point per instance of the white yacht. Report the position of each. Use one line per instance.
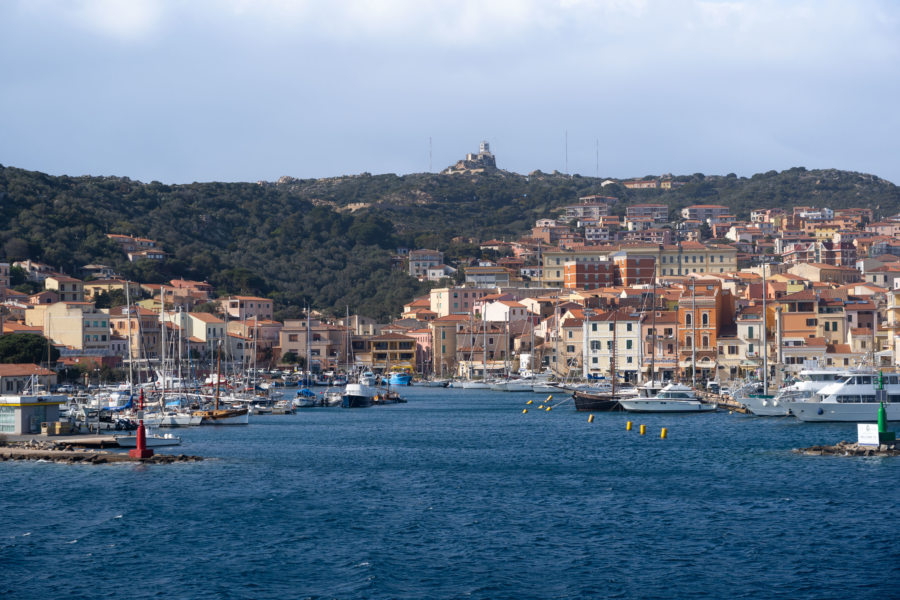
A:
(809, 381)
(853, 399)
(672, 398)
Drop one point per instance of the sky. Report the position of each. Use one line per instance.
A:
(249, 90)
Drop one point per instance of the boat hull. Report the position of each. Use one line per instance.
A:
(152, 441)
(240, 416)
(839, 412)
(764, 406)
(357, 396)
(596, 402)
(666, 406)
(176, 420)
(355, 401)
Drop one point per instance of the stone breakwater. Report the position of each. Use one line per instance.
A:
(48, 451)
(850, 449)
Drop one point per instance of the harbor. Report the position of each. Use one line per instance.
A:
(457, 493)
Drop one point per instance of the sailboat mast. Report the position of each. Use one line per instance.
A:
(130, 341)
(218, 373)
(308, 350)
(612, 356)
(484, 348)
(162, 344)
(653, 323)
(764, 349)
(693, 333)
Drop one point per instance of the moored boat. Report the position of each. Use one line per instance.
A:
(672, 398)
(152, 440)
(357, 395)
(855, 399)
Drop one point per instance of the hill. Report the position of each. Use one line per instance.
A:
(329, 242)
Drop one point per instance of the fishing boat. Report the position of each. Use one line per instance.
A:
(853, 399)
(400, 378)
(357, 395)
(672, 398)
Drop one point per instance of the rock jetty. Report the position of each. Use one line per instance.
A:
(64, 453)
(851, 449)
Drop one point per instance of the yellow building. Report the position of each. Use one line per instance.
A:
(672, 259)
(79, 325)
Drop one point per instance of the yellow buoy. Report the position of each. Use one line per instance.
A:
(549, 398)
(540, 407)
(663, 433)
(643, 429)
(590, 418)
(549, 407)
(524, 410)
(530, 402)
(628, 426)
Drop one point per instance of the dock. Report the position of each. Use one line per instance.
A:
(725, 403)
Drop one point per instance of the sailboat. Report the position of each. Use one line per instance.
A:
(474, 384)
(222, 416)
(601, 400)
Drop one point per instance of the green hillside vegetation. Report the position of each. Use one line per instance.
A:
(329, 242)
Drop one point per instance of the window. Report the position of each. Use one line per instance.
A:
(705, 341)
(593, 327)
(751, 348)
(628, 327)
(594, 360)
(292, 337)
(570, 349)
(688, 319)
(750, 332)
(628, 344)
(811, 322)
(704, 319)
(610, 326)
(570, 334)
(732, 349)
(688, 342)
(609, 345)
(443, 334)
(595, 345)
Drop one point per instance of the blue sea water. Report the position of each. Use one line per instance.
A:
(458, 494)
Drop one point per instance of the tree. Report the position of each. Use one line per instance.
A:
(289, 358)
(17, 276)
(21, 348)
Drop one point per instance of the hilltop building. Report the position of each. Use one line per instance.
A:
(474, 163)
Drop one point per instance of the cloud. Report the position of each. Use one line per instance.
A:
(123, 20)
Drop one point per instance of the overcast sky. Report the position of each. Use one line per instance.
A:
(247, 90)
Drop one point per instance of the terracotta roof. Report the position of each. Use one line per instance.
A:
(801, 296)
(452, 319)
(839, 349)
(23, 369)
(206, 317)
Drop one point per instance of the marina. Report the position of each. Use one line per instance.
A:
(457, 493)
